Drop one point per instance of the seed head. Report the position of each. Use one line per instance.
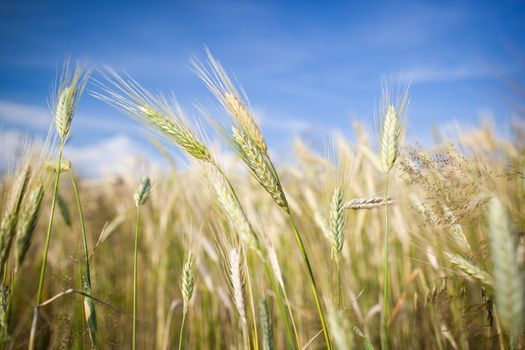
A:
(142, 192)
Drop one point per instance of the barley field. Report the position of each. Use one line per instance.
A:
(369, 244)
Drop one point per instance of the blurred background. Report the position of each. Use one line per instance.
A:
(309, 68)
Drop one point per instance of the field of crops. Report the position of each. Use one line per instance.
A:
(372, 244)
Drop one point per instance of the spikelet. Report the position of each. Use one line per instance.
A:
(391, 126)
(165, 118)
(337, 222)
(216, 79)
(142, 193)
(266, 325)
(274, 262)
(469, 268)
(260, 166)
(188, 280)
(65, 102)
(233, 211)
(367, 203)
(508, 279)
(27, 224)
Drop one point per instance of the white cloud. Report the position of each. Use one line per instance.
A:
(12, 142)
(29, 116)
(35, 117)
(115, 155)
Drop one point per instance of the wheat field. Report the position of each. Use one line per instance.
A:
(374, 244)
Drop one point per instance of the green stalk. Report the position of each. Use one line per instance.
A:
(83, 230)
(182, 329)
(277, 291)
(91, 319)
(313, 282)
(385, 273)
(135, 269)
(339, 285)
(49, 226)
(34, 324)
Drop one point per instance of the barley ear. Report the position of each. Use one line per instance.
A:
(67, 97)
(188, 280)
(508, 279)
(27, 224)
(337, 221)
(469, 268)
(266, 325)
(143, 191)
(390, 133)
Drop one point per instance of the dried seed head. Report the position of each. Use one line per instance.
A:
(217, 80)
(236, 275)
(367, 203)
(164, 117)
(142, 193)
(390, 134)
(244, 119)
(260, 166)
(233, 211)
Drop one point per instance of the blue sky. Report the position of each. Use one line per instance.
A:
(308, 67)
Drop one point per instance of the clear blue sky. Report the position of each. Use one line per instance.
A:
(308, 67)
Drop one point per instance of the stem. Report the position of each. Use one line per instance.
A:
(277, 291)
(83, 230)
(312, 280)
(385, 272)
(182, 328)
(46, 249)
(49, 226)
(135, 269)
(339, 285)
(255, 337)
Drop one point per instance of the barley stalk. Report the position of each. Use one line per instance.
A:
(187, 286)
(508, 279)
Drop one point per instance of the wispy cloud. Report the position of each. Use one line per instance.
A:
(114, 155)
(27, 116)
(35, 117)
